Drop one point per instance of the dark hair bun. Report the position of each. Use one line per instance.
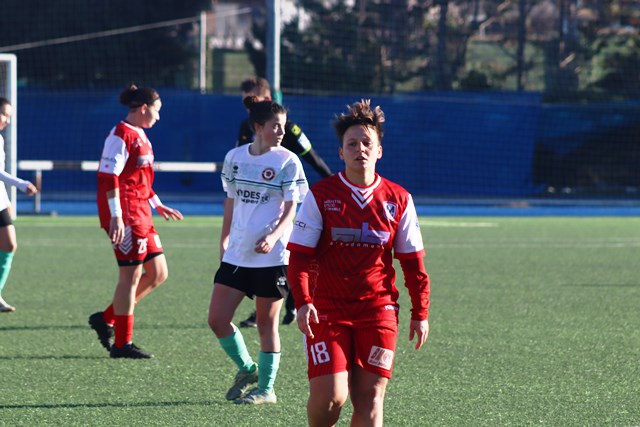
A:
(249, 101)
(127, 95)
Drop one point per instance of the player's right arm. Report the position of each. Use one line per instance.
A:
(226, 226)
(307, 229)
(114, 157)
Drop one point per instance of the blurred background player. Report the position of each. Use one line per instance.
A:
(125, 197)
(8, 242)
(264, 182)
(352, 225)
(294, 140)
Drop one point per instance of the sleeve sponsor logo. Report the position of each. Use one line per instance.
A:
(299, 224)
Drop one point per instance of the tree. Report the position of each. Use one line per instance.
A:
(156, 57)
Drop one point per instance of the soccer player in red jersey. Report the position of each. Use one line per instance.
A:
(125, 197)
(346, 234)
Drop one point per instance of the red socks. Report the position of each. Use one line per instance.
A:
(123, 329)
(109, 316)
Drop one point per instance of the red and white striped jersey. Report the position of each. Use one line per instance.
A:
(127, 164)
(354, 233)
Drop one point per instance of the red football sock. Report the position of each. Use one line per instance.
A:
(123, 329)
(109, 316)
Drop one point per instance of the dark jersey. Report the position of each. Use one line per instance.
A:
(294, 140)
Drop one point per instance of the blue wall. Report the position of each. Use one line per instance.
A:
(449, 144)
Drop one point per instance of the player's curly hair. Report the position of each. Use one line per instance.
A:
(134, 96)
(360, 113)
(262, 111)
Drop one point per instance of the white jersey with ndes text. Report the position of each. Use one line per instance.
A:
(259, 186)
(6, 178)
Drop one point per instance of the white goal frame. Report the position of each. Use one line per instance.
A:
(9, 90)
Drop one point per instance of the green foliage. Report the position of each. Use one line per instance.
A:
(475, 80)
(615, 66)
(157, 57)
(533, 322)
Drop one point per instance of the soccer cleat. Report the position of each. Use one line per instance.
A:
(5, 307)
(129, 351)
(103, 329)
(241, 383)
(249, 322)
(289, 317)
(257, 396)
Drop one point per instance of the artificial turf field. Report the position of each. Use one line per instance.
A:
(534, 321)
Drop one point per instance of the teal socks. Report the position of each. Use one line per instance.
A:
(236, 349)
(269, 364)
(6, 258)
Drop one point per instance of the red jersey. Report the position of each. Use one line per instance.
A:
(354, 233)
(126, 164)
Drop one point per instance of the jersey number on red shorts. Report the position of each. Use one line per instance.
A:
(319, 353)
(142, 245)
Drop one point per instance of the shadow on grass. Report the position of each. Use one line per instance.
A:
(56, 357)
(77, 327)
(112, 405)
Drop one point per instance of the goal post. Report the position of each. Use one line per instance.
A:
(9, 90)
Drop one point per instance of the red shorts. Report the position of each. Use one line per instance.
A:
(338, 345)
(140, 244)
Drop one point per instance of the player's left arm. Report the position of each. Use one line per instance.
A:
(295, 140)
(164, 211)
(417, 282)
(20, 184)
(409, 250)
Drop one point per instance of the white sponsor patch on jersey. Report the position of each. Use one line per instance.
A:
(381, 357)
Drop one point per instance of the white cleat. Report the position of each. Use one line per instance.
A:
(257, 396)
(6, 308)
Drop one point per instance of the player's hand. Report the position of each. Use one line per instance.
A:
(167, 213)
(306, 315)
(116, 230)
(31, 189)
(265, 244)
(420, 329)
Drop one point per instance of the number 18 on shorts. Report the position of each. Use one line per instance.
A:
(337, 346)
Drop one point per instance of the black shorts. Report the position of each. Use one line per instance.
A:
(5, 218)
(267, 282)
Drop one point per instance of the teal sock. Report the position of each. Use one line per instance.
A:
(6, 258)
(236, 349)
(269, 364)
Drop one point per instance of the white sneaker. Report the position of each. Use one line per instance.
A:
(257, 396)
(6, 308)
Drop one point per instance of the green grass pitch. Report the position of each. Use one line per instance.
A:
(534, 321)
